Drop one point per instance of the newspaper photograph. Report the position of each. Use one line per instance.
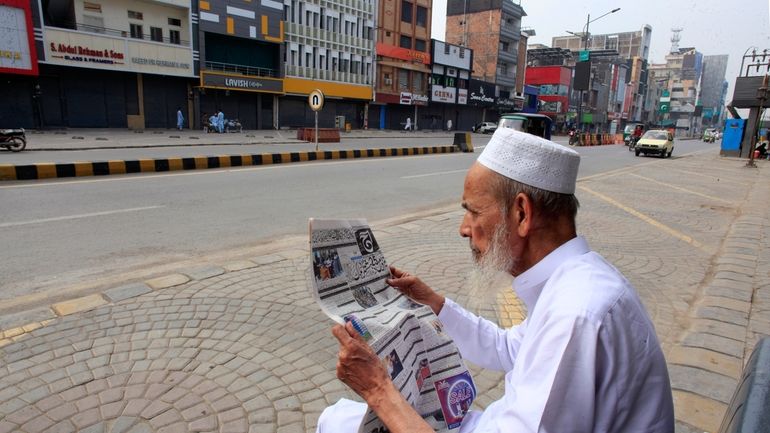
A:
(348, 282)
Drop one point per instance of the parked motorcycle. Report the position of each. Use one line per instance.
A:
(233, 125)
(14, 140)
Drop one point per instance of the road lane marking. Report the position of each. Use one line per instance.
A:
(660, 226)
(72, 217)
(438, 173)
(668, 185)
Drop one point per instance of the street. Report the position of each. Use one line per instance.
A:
(234, 342)
(82, 234)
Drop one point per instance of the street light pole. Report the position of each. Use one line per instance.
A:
(585, 47)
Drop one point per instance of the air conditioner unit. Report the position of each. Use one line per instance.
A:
(388, 81)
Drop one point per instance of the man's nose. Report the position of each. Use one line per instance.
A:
(465, 228)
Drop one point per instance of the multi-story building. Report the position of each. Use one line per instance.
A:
(634, 47)
(403, 63)
(109, 63)
(241, 60)
(450, 78)
(493, 30)
(330, 47)
(713, 88)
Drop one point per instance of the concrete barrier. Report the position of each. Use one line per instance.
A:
(463, 141)
(749, 409)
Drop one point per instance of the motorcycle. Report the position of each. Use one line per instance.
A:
(631, 141)
(14, 140)
(233, 125)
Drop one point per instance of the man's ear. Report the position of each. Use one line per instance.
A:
(520, 214)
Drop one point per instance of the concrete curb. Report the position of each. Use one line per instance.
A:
(106, 168)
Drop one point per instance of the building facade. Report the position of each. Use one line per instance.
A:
(403, 63)
(450, 79)
(105, 64)
(330, 46)
(492, 28)
(605, 111)
(713, 89)
(240, 47)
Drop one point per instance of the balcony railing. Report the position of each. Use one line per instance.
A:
(252, 71)
(122, 33)
(323, 74)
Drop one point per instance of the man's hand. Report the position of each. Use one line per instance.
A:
(357, 364)
(415, 289)
(360, 369)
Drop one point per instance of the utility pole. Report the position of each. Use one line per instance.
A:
(762, 97)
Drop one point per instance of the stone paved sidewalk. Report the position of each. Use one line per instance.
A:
(241, 346)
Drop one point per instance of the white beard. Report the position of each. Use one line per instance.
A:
(483, 281)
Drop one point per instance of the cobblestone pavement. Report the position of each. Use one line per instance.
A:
(241, 347)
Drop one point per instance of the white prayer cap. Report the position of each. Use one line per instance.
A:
(532, 160)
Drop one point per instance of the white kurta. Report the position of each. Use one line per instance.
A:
(586, 358)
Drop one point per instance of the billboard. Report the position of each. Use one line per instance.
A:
(17, 43)
(582, 75)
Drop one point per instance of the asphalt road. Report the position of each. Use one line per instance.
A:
(74, 234)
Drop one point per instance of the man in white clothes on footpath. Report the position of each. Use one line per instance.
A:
(586, 358)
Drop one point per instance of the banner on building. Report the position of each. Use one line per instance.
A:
(241, 82)
(17, 42)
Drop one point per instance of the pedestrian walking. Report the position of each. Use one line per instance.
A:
(449, 125)
(179, 119)
(408, 126)
(221, 122)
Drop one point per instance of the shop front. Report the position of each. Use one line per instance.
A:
(18, 65)
(249, 99)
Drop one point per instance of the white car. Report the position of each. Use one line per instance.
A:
(484, 127)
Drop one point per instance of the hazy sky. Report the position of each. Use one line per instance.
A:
(711, 26)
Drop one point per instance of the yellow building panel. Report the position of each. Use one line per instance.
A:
(204, 5)
(230, 26)
(339, 90)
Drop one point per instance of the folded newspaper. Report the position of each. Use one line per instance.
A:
(348, 282)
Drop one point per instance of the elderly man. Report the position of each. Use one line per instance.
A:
(586, 358)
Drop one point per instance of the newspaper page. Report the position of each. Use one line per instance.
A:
(348, 282)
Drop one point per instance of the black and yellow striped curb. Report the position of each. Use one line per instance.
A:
(106, 168)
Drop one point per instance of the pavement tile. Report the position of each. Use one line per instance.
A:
(203, 272)
(127, 291)
(167, 281)
(701, 412)
(79, 305)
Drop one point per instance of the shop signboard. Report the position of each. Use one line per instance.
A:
(447, 95)
(17, 43)
(88, 50)
(481, 93)
(462, 96)
(241, 82)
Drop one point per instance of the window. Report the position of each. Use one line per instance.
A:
(135, 15)
(446, 49)
(156, 34)
(419, 45)
(406, 11)
(502, 69)
(388, 81)
(417, 82)
(176, 22)
(405, 42)
(136, 31)
(462, 52)
(504, 46)
(403, 80)
(422, 16)
(173, 37)
(93, 24)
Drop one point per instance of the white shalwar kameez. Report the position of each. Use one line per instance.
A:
(586, 358)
